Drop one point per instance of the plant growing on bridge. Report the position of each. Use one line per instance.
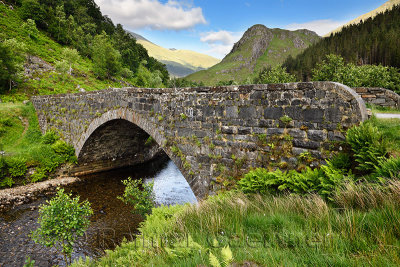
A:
(62, 220)
(138, 194)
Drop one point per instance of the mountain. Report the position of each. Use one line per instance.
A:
(374, 41)
(179, 62)
(258, 48)
(386, 6)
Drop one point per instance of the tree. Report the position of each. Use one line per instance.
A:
(71, 56)
(30, 27)
(138, 194)
(106, 59)
(331, 69)
(62, 220)
(276, 74)
(31, 9)
(12, 58)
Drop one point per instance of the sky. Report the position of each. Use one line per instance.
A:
(213, 26)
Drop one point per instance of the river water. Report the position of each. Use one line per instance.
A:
(112, 219)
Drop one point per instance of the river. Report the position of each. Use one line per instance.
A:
(112, 219)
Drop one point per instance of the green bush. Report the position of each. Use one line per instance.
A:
(62, 220)
(138, 194)
(341, 161)
(66, 151)
(16, 166)
(3, 167)
(367, 145)
(39, 174)
(323, 181)
(333, 68)
(276, 74)
(50, 137)
(8, 181)
(161, 220)
(261, 181)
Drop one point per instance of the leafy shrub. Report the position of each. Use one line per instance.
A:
(333, 68)
(161, 220)
(323, 181)
(50, 137)
(16, 166)
(261, 181)
(39, 174)
(341, 161)
(8, 181)
(61, 221)
(6, 122)
(3, 167)
(388, 168)
(138, 194)
(66, 151)
(367, 145)
(276, 74)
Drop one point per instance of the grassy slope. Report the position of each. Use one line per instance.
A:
(21, 139)
(388, 5)
(49, 51)
(186, 58)
(279, 49)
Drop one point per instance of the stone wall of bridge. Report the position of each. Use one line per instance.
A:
(379, 96)
(209, 132)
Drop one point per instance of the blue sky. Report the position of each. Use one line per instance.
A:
(213, 26)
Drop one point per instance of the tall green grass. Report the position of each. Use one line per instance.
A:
(286, 230)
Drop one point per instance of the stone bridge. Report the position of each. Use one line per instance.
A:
(209, 132)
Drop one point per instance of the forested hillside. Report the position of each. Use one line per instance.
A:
(375, 41)
(69, 44)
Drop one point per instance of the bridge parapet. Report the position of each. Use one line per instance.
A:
(209, 131)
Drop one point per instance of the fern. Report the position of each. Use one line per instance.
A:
(214, 260)
(388, 168)
(227, 255)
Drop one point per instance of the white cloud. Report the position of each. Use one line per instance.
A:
(220, 42)
(136, 14)
(321, 27)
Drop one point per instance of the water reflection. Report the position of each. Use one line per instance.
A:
(170, 187)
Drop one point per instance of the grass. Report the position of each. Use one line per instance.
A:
(379, 109)
(21, 138)
(286, 230)
(390, 129)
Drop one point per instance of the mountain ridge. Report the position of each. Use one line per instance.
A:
(260, 47)
(179, 62)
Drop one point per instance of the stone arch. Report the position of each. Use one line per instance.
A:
(124, 114)
(134, 118)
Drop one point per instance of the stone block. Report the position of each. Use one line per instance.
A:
(336, 136)
(306, 144)
(247, 112)
(232, 112)
(297, 133)
(273, 112)
(313, 115)
(316, 135)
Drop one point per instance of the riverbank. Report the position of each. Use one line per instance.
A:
(12, 197)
